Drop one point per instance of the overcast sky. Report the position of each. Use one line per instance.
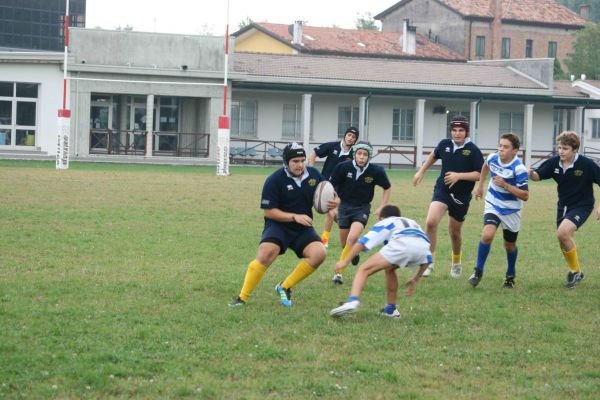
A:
(210, 16)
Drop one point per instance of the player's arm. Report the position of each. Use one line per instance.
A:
(312, 159)
(411, 284)
(485, 170)
(522, 194)
(385, 199)
(278, 215)
(429, 161)
(533, 175)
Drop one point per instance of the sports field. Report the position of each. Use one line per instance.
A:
(115, 280)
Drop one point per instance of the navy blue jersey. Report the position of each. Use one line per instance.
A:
(335, 155)
(467, 158)
(358, 189)
(576, 183)
(282, 192)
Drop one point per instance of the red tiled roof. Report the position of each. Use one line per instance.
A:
(533, 11)
(320, 40)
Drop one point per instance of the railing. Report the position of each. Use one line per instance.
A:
(173, 144)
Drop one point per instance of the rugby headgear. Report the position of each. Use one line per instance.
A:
(363, 146)
(352, 130)
(292, 150)
(460, 121)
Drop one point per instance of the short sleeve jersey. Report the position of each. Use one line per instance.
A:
(282, 192)
(335, 155)
(355, 188)
(515, 174)
(389, 229)
(575, 185)
(467, 158)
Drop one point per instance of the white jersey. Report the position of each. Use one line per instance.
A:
(390, 228)
(514, 173)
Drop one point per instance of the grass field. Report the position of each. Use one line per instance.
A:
(115, 279)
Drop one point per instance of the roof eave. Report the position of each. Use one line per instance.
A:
(542, 24)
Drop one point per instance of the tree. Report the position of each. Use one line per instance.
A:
(366, 22)
(245, 23)
(585, 58)
(575, 4)
(558, 71)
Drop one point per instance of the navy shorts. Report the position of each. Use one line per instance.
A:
(348, 214)
(458, 204)
(291, 235)
(577, 215)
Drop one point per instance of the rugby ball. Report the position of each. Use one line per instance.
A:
(323, 193)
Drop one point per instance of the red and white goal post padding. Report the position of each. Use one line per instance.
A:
(62, 145)
(223, 146)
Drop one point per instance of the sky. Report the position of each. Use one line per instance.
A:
(210, 16)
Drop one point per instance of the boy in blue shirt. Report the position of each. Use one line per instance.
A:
(506, 193)
(354, 182)
(461, 165)
(575, 175)
(405, 245)
(334, 153)
(287, 200)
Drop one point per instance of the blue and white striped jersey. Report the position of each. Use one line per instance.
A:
(515, 174)
(390, 229)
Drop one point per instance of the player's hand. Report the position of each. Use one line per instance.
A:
(411, 286)
(598, 212)
(417, 178)
(478, 192)
(340, 265)
(499, 181)
(332, 204)
(303, 219)
(451, 178)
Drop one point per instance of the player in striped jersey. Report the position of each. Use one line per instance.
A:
(506, 193)
(406, 245)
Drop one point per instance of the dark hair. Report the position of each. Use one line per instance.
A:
(513, 139)
(460, 121)
(569, 138)
(292, 150)
(389, 210)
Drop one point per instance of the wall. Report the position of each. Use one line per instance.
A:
(259, 42)
(426, 15)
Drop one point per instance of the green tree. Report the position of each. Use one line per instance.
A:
(575, 4)
(558, 71)
(366, 22)
(585, 58)
(245, 23)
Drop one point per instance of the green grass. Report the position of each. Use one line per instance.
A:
(115, 279)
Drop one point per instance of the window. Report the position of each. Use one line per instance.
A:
(552, 49)
(290, 126)
(244, 118)
(505, 47)
(480, 46)
(168, 114)
(512, 123)
(529, 48)
(403, 124)
(18, 113)
(595, 128)
(347, 117)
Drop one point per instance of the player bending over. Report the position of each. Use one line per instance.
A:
(406, 245)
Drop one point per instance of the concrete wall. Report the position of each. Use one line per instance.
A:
(50, 92)
(444, 23)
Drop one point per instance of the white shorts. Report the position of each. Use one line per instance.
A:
(511, 222)
(407, 251)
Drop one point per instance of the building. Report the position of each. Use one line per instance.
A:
(298, 38)
(37, 24)
(490, 29)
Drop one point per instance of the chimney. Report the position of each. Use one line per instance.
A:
(297, 33)
(409, 38)
(584, 11)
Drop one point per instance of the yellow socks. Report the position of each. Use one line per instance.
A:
(302, 270)
(456, 258)
(572, 259)
(343, 256)
(254, 275)
(325, 236)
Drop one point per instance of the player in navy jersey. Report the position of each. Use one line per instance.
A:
(575, 175)
(355, 181)
(334, 153)
(461, 166)
(405, 245)
(506, 193)
(287, 200)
